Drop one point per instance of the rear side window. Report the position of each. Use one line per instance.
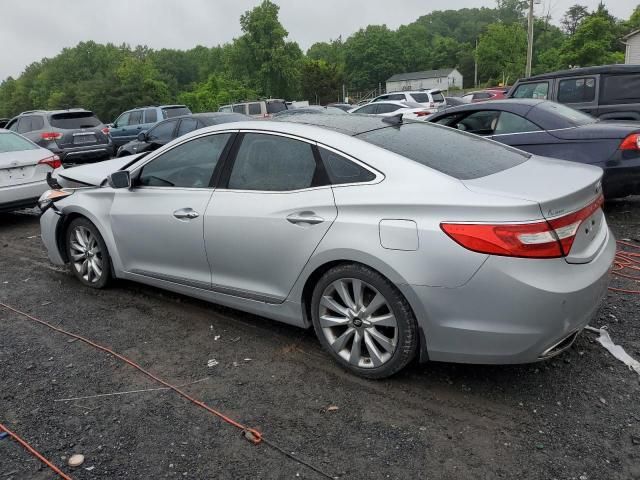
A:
(30, 123)
(397, 96)
(341, 170)
(539, 90)
(135, 118)
(255, 109)
(437, 97)
(74, 120)
(172, 112)
(369, 109)
(577, 90)
(387, 108)
(459, 155)
(616, 89)
(421, 97)
(272, 163)
(512, 123)
(239, 108)
(150, 115)
(275, 107)
(163, 131)
(11, 142)
(187, 125)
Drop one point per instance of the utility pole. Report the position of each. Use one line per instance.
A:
(529, 40)
(475, 75)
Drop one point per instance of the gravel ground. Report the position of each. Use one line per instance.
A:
(574, 417)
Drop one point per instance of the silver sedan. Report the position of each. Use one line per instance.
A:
(394, 240)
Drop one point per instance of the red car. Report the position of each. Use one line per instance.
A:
(496, 93)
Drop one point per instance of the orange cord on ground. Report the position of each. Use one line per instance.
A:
(626, 262)
(34, 452)
(250, 434)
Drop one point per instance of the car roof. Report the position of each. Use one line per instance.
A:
(521, 105)
(617, 68)
(53, 112)
(388, 102)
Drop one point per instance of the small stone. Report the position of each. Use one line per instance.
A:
(76, 460)
(332, 408)
(539, 446)
(603, 401)
(635, 439)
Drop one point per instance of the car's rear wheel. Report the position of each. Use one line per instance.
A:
(88, 256)
(364, 321)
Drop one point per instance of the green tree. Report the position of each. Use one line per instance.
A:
(502, 53)
(573, 17)
(322, 82)
(209, 95)
(595, 42)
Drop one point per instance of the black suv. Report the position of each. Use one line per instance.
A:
(76, 135)
(608, 92)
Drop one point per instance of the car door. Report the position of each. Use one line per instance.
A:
(158, 224)
(135, 126)
(267, 217)
(118, 131)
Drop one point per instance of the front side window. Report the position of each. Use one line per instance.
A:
(342, 170)
(511, 123)
(162, 132)
(123, 120)
(272, 163)
(481, 123)
(539, 91)
(190, 165)
(577, 90)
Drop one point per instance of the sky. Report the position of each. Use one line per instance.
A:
(34, 29)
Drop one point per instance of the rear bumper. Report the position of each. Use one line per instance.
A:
(513, 310)
(621, 181)
(15, 197)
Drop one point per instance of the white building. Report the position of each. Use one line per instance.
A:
(632, 51)
(443, 79)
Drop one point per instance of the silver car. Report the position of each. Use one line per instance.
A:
(393, 240)
(23, 170)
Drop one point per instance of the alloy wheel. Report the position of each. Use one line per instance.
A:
(86, 254)
(358, 323)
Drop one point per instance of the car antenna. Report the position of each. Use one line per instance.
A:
(393, 119)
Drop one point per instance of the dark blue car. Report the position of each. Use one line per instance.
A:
(554, 130)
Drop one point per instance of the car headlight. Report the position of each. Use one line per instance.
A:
(48, 198)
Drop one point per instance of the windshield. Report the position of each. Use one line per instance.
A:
(12, 142)
(574, 117)
(460, 155)
(74, 120)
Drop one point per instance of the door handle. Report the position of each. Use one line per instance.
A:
(304, 217)
(186, 213)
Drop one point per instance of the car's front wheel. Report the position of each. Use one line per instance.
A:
(364, 321)
(88, 256)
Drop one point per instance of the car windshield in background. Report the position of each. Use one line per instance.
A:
(176, 111)
(437, 97)
(457, 154)
(12, 142)
(74, 120)
(275, 107)
(572, 116)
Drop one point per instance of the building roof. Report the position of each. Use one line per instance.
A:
(629, 35)
(443, 72)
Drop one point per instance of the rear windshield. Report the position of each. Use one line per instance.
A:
(460, 155)
(176, 111)
(12, 142)
(572, 116)
(437, 97)
(617, 89)
(275, 107)
(74, 120)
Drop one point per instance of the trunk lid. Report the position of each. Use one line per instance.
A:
(22, 167)
(597, 131)
(93, 174)
(560, 188)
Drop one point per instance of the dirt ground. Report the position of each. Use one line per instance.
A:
(574, 417)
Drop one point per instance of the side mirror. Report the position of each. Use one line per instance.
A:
(142, 137)
(119, 179)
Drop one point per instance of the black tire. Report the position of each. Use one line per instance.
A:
(405, 331)
(101, 254)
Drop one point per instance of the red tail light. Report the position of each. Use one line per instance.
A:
(53, 161)
(106, 130)
(546, 239)
(632, 142)
(423, 114)
(51, 135)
